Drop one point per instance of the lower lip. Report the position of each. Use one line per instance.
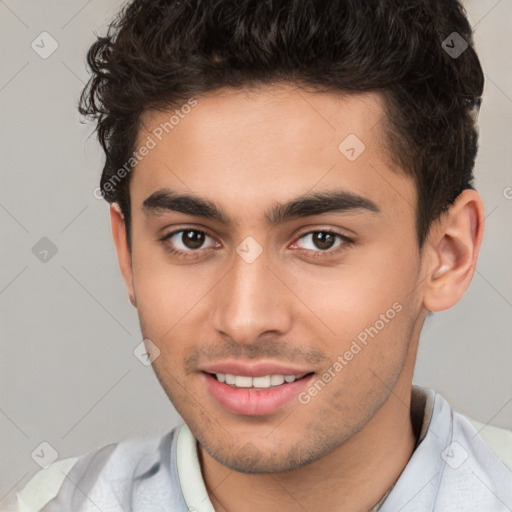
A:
(254, 402)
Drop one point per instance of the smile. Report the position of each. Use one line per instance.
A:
(254, 396)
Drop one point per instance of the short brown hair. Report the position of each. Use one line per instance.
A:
(159, 53)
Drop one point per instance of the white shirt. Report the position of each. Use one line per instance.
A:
(458, 465)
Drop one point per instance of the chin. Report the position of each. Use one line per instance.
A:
(250, 459)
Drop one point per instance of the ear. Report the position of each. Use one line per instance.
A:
(123, 252)
(452, 251)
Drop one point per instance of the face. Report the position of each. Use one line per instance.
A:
(235, 283)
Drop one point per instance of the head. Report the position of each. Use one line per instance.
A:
(318, 160)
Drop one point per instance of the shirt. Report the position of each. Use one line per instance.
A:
(458, 465)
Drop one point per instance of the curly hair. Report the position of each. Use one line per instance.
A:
(159, 53)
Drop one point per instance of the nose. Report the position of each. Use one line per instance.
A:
(251, 301)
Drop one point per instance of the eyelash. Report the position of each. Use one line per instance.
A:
(192, 254)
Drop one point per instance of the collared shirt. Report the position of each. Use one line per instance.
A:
(457, 465)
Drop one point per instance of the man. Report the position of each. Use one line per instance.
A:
(291, 195)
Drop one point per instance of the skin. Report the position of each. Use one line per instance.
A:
(246, 150)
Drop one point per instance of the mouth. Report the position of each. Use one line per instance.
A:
(263, 382)
(255, 395)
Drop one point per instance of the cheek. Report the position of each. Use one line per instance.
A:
(370, 307)
(159, 292)
(171, 300)
(354, 295)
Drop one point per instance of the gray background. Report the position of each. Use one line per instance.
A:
(68, 374)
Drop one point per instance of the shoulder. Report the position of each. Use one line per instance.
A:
(43, 487)
(486, 440)
(499, 440)
(100, 469)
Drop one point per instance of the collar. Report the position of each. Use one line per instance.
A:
(189, 472)
(422, 415)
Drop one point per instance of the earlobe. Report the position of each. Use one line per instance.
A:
(453, 248)
(123, 253)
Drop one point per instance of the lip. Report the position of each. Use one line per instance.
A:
(255, 402)
(259, 369)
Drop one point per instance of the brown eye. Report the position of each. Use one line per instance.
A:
(323, 240)
(186, 243)
(192, 239)
(324, 243)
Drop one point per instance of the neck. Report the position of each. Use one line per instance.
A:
(353, 477)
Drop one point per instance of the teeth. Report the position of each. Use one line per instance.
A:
(276, 380)
(242, 381)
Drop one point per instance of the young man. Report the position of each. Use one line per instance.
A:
(291, 195)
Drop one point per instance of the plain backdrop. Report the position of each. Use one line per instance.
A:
(68, 375)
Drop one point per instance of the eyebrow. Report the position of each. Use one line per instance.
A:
(329, 201)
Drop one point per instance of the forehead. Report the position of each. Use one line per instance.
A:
(297, 115)
(250, 146)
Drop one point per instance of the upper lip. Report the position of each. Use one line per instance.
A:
(258, 369)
